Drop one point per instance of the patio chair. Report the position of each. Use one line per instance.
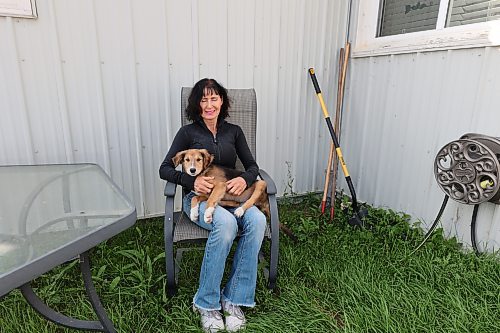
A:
(179, 229)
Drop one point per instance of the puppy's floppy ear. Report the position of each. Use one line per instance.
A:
(207, 158)
(177, 159)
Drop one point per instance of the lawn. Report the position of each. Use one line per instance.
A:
(335, 279)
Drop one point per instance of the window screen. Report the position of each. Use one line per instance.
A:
(404, 16)
(472, 11)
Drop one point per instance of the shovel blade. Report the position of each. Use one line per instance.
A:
(357, 219)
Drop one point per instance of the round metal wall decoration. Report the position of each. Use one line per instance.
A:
(468, 171)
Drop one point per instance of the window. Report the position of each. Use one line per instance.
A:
(403, 16)
(401, 26)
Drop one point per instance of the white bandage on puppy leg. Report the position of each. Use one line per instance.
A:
(239, 212)
(193, 214)
(208, 214)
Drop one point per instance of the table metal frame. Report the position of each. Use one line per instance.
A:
(103, 324)
(22, 277)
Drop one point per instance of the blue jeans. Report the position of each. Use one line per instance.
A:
(240, 288)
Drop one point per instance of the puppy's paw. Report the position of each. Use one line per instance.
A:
(193, 214)
(239, 212)
(209, 212)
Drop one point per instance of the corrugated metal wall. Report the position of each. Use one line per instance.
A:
(401, 110)
(99, 81)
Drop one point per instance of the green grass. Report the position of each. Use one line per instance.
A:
(336, 279)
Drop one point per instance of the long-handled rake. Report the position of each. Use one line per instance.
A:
(329, 189)
(359, 214)
(344, 58)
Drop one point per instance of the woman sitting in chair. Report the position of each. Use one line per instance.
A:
(207, 108)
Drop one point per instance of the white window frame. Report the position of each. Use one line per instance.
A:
(441, 38)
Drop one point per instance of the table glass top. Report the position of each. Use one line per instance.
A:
(46, 207)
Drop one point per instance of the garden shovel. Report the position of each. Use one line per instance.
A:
(359, 214)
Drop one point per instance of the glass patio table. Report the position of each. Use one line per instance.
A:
(50, 214)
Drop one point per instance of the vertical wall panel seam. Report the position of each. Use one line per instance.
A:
(327, 75)
(478, 105)
(380, 164)
(254, 56)
(135, 110)
(493, 232)
(347, 79)
(331, 75)
(317, 125)
(254, 46)
(274, 162)
(226, 79)
(492, 225)
(410, 101)
(442, 88)
(169, 126)
(100, 97)
(60, 84)
(274, 100)
(228, 69)
(195, 26)
(299, 75)
(305, 53)
(480, 87)
(366, 109)
(348, 16)
(166, 91)
(22, 101)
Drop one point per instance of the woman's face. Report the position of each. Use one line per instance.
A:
(210, 105)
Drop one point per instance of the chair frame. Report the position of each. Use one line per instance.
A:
(173, 257)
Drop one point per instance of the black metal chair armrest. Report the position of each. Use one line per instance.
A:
(168, 226)
(170, 189)
(271, 187)
(274, 224)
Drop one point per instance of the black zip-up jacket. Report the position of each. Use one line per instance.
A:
(229, 143)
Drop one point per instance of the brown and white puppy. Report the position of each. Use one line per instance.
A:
(199, 162)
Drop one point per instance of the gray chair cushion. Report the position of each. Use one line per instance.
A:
(185, 230)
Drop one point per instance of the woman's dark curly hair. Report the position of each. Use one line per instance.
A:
(202, 88)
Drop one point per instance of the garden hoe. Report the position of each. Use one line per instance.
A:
(359, 214)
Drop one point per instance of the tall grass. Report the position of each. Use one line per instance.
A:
(336, 279)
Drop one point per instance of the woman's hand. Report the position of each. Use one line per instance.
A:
(203, 185)
(236, 186)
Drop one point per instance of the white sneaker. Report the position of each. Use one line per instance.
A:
(235, 319)
(211, 320)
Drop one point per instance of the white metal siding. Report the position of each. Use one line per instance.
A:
(99, 81)
(401, 110)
